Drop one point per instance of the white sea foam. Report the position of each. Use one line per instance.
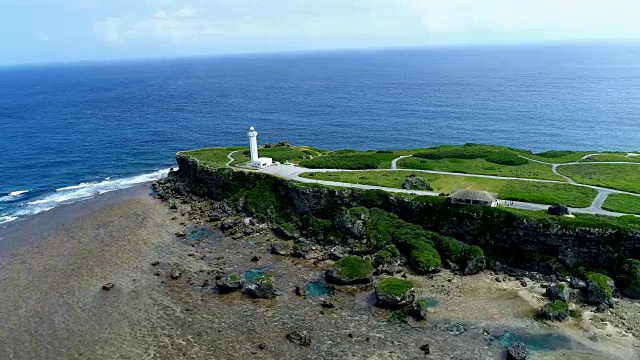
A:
(13, 195)
(82, 185)
(79, 192)
(6, 219)
(38, 202)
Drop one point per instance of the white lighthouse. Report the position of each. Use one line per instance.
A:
(256, 161)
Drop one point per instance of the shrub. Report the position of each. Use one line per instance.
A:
(345, 151)
(380, 227)
(452, 249)
(555, 154)
(417, 245)
(602, 282)
(630, 278)
(319, 227)
(353, 267)
(424, 258)
(394, 286)
(507, 159)
(473, 252)
(282, 154)
(375, 198)
(352, 162)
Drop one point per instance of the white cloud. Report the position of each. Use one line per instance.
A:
(182, 25)
(109, 28)
(44, 37)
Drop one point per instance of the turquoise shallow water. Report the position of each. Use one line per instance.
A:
(251, 275)
(77, 130)
(318, 289)
(536, 342)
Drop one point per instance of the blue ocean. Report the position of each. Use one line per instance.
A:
(71, 131)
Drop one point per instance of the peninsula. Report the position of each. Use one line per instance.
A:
(559, 230)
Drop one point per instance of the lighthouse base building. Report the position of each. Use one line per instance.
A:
(262, 162)
(257, 162)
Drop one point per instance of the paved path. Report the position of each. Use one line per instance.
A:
(292, 172)
(394, 163)
(230, 157)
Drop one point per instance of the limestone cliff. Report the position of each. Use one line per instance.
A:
(543, 244)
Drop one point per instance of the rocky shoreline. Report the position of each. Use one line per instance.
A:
(568, 297)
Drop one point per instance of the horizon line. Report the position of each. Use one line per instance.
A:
(600, 41)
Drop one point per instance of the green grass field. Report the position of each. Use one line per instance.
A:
(628, 222)
(354, 160)
(623, 203)
(215, 157)
(516, 190)
(559, 157)
(625, 177)
(612, 157)
(293, 154)
(532, 170)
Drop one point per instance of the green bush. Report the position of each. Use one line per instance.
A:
(345, 151)
(320, 228)
(353, 267)
(394, 286)
(424, 258)
(507, 159)
(630, 278)
(418, 247)
(601, 281)
(554, 154)
(352, 162)
(380, 227)
(452, 249)
(473, 252)
(282, 154)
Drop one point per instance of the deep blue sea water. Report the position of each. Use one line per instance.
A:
(98, 127)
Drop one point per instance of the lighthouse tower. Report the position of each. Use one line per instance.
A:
(253, 144)
(256, 161)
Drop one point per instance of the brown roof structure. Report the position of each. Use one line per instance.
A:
(474, 195)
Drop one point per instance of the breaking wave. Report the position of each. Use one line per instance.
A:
(13, 195)
(70, 194)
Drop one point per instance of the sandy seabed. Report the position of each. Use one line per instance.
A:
(52, 305)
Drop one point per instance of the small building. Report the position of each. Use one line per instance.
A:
(474, 197)
(262, 162)
(257, 162)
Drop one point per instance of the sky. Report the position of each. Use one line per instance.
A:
(41, 31)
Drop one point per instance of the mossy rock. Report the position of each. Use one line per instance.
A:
(558, 291)
(476, 261)
(352, 221)
(262, 287)
(556, 310)
(425, 259)
(350, 270)
(394, 293)
(386, 256)
(630, 278)
(230, 283)
(418, 309)
(600, 289)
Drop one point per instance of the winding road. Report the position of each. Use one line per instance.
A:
(292, 172)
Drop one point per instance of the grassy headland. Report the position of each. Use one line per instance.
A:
(614, 176)
(622, 203)
(214, 157)
(516, 190)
